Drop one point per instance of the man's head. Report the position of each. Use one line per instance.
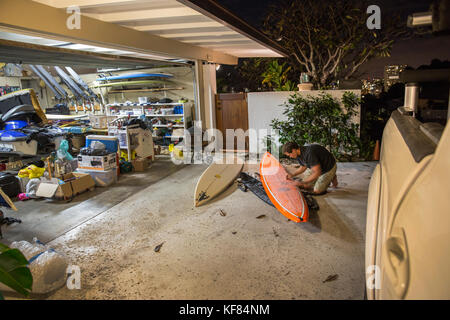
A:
(291, 149)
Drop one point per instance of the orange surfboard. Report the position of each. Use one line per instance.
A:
(285, 196)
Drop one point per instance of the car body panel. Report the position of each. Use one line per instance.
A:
(372, 221)
(424, 218)
(398, 234)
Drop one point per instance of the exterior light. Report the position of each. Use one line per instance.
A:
(420, 19)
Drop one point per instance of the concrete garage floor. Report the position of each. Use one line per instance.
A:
(48, 219)
(209, 256)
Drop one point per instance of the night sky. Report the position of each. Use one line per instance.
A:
(254, 11)
(414, 52)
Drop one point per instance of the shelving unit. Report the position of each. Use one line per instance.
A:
(170, 126)
(186, 116)
(166, 126)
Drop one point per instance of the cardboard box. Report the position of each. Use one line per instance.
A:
(140, 164)
(78, 141)
(74, 183)
(65, 167)
(100, 121)
(102, 163)
(102, 178)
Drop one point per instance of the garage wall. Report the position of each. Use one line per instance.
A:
(263, 107)
(10, 81)
(26, 83)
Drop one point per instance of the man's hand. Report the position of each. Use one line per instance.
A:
(289, 176)
(299, 183)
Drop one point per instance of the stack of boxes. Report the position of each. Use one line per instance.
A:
(102, 168)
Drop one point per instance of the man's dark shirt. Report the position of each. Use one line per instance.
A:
(316, 154)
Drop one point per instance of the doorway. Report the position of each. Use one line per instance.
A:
(232, 113)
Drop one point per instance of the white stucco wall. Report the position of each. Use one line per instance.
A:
(263, 107)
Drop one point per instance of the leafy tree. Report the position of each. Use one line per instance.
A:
(321, 119)
(245, 76)
(330, 41)
(276, 77)
(257, 74)
(251, 71)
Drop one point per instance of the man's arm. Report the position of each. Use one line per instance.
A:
(316, 171)
(296, 172)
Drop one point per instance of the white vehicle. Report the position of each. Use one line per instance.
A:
(408, 211)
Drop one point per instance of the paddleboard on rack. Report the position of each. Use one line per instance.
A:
(129, 83)
(136, 76)
(285, 196)
(214, 180)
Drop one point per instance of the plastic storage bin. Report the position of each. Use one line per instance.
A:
(102, 178)
(178, 110)
(111, 142)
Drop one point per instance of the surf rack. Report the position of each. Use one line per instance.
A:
(82, 94)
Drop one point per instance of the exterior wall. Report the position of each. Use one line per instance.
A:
(263, 107)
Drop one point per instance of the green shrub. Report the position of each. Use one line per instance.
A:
(322, 120)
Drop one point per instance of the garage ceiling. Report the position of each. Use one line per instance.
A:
(199, 23)
(19, 48)
(29, 51)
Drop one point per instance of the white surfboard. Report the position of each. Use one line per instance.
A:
(214, 180)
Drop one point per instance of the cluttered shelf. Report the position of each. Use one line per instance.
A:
(145, 104)
(168, 126)
(147, 115)
(172, 137)
(164, 115)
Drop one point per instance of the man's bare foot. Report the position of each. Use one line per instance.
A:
(335, 182)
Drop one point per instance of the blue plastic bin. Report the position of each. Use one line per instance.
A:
(111, 142)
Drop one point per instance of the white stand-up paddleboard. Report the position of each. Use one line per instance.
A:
(215, 180)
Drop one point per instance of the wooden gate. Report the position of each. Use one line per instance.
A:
(232, 113)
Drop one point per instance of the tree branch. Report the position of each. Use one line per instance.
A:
(301, 62)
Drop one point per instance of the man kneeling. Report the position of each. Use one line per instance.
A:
(319, 164)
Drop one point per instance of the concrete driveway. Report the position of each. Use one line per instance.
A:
(206, 255)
